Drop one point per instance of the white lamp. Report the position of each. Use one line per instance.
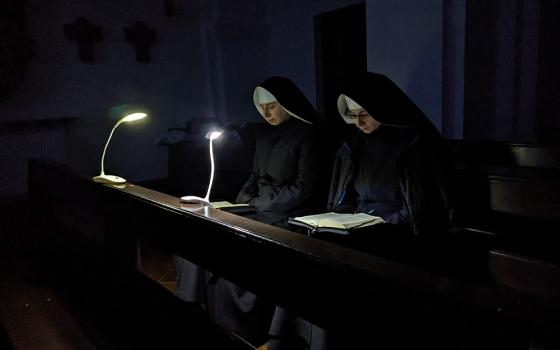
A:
(112, 179)
(212, 135)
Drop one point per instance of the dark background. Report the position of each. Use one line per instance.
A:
(481, 70)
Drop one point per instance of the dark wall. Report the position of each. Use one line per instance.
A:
(15, 45)
(453, 69)
(209, 55)
(404, 42)
(548, 88)
(207, 58)
(482, 70)
(173, 86)
(511, 70)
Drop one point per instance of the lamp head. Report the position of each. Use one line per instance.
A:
(212, 135)
(132, 117)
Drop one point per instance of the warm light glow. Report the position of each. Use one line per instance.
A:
(212, 135)
(134, 116)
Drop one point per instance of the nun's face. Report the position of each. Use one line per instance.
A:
(363, 120)
(273, 113)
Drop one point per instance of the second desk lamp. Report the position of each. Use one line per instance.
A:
(212, 135)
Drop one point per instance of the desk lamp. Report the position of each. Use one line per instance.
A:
(113, 179)
(212, 135)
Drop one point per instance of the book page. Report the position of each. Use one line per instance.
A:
(337, 220)
(226, 204)
(352, 220)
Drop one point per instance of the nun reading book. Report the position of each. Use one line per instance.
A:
(284, 174)
(282, 184)
(393, 168)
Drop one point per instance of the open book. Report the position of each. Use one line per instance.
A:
(226, 204)
(233, 208)
(335, 222)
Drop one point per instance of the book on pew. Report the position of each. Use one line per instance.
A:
(336, 222)
(233, 207)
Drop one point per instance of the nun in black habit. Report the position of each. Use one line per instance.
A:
(394, 167)
(282, 183)
(284, 173)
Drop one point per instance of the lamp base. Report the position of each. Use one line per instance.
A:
(195, 199)
(109, 179)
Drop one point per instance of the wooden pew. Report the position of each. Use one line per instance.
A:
(510, 191)
(76, 255)
(336, 287)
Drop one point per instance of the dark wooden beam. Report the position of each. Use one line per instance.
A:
(417, 286)
(326, 283)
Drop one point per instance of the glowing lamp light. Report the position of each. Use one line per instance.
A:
(212, 135)
(113, 179)
(132, 117)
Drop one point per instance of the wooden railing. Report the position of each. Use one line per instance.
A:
(383, 290)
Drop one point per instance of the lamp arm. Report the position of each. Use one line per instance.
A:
(207, 198)
(105, 148)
